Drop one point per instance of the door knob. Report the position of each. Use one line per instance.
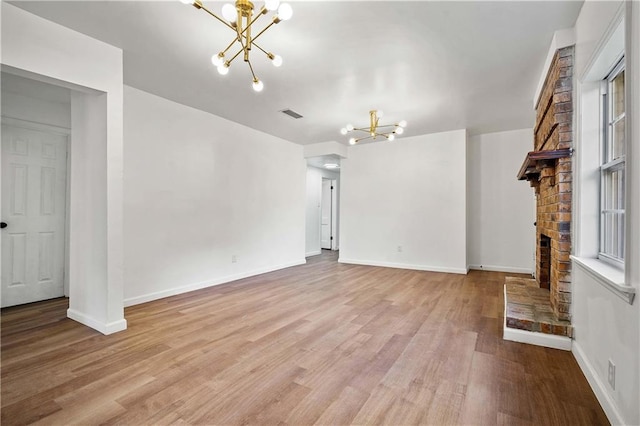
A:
(3, 225)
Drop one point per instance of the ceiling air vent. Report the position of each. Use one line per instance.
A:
(291, 113)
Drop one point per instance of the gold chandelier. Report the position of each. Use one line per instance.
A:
(240, 19)
(375, 129)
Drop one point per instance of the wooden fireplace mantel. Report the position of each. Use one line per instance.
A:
(537, 160)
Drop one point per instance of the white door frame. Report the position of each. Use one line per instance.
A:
(63, 131)
(334, 214)
(322, 209)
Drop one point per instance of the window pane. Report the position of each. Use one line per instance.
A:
(617, 93)
(617, 140)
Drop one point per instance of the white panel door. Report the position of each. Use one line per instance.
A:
(34, 180)
(325, 215)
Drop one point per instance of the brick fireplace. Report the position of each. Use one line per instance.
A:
(548, 170)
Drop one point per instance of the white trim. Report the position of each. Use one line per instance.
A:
(499, 268)
(532, 337)
(598, 387)
(104, 328)
(204, 284)
(609, 50)
(538, 339)
(606, 275)
(33, 125)
(404, 266)
(313, 253)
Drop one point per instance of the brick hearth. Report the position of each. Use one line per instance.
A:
(528, 308)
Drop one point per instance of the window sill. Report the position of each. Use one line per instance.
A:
(609, 276)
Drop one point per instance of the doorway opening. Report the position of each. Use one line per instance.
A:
(36, 128)
(323, 206)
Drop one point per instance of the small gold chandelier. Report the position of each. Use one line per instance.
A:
(375, 129)
(240, 18)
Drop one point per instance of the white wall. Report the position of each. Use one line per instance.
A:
(408, 193)
(314, 199)
(41, 49)
(200, 189)
(606, 326)
(501, 209)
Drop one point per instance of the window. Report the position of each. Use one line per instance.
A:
(612, 168)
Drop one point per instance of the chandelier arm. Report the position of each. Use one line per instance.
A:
(252, 73)
(389, 125)
(263, 51)
(263, 30)
(362, 139)
(203, 7)
(235, 56)
(229, 46)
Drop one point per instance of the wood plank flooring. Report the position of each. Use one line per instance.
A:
(321, 343)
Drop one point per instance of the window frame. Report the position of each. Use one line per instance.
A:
(609, 166)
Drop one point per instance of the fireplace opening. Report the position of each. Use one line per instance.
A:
(544, 262)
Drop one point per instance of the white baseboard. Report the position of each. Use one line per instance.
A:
(136, 300)
(404, 266)
(533, 337)
(538, 339)
(313, 253)
(498, 268)
(598, 386)
(104, 328)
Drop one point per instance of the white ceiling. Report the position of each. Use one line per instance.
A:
(321, 160)
(439, 65)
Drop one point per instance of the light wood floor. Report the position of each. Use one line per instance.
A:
(322, 343)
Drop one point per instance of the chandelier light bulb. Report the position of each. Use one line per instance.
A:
(349, 127)
(391, 137)
(271, 4)
(277, 60)
(217, 59)
(403, 123)
(380, 114)
(258, 85)
(399, 130)
(343, 131)
(187, 1)
(352, 141)
(229, 12)
(285, 12)
(223, 69)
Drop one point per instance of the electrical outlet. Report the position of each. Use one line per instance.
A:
(399, 249)
(234, 258)
(612, 374)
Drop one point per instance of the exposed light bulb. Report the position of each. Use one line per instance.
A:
(229, 12)
(399, 130)
(217, 59)
(271, 4)
(349, 127)
(344, 131)
(223, 69)
(285, 12)
(403, 123)
(380, 114)
(352, 141)
(391, 137)
(258, 85)
(277, 60)
(187, 1)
